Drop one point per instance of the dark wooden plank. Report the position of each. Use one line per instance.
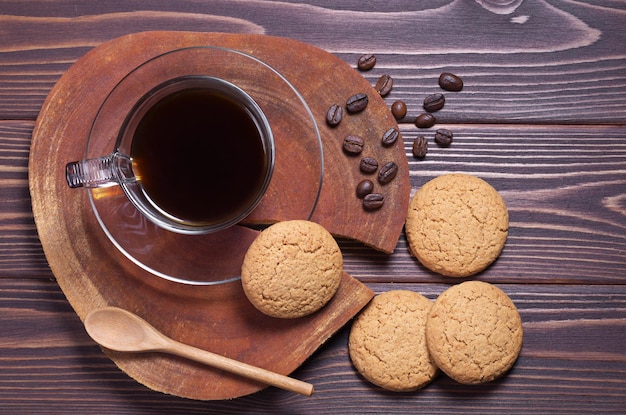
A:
(573, 361)
(532, 68)
(541, 63)
(564, 187)
(21, 253)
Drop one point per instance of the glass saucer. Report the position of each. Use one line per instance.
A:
(204, 259)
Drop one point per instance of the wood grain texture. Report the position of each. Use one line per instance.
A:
(21, 254)
(542, 117)
(563, 185)
(545, 62)
(92, 273)
(563, 367)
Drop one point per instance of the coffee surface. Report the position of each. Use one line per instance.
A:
(199, 155)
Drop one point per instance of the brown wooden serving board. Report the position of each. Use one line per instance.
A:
(93, 273)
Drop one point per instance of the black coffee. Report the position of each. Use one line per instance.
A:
(199, 155)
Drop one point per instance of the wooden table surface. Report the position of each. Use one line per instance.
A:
(542, 117)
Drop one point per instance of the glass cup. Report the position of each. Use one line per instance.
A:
(194, 155)
(183, 246)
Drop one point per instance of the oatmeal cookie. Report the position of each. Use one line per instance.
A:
(292, 269)
(457, 225)
(387, 341)
(474, 332)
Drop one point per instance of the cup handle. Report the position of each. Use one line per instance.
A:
(99, 172)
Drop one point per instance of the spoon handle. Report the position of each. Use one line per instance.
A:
(239, 368)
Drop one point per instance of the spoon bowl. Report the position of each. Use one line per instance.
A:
(123, 331)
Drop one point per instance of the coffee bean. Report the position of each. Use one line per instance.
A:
(425, 120)
(443, 137)
(334, 115)
(420, 147)
(434, 102)
(387, 172)
(366, 62)
(450, 82)
(373, 201)
(384, 85)
(364, 188)
(390, 136)
(353, 144)
(398, 109)
(357, 103)
(368, 165)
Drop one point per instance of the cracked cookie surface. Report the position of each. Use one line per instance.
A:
(292, 269)
(387, 342)
(457, 225)
(474, 332)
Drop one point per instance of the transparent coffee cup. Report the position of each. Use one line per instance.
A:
(118, 168)
(191, 252)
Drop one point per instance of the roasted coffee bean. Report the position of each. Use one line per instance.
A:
(334, 115)
(425, 120)
(387, 172)
(398, 109)
(368, 165)
(353, 144)
(364, 188)
(390, 136)
(384, 85)
(450, 82)
(434, 102)
(366, 62)
(357, 103)
(443, 137)
(420, 147)
(373, 201)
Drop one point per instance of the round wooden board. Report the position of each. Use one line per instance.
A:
(92, 273)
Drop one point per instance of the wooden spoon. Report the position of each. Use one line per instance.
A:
(123, 331)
